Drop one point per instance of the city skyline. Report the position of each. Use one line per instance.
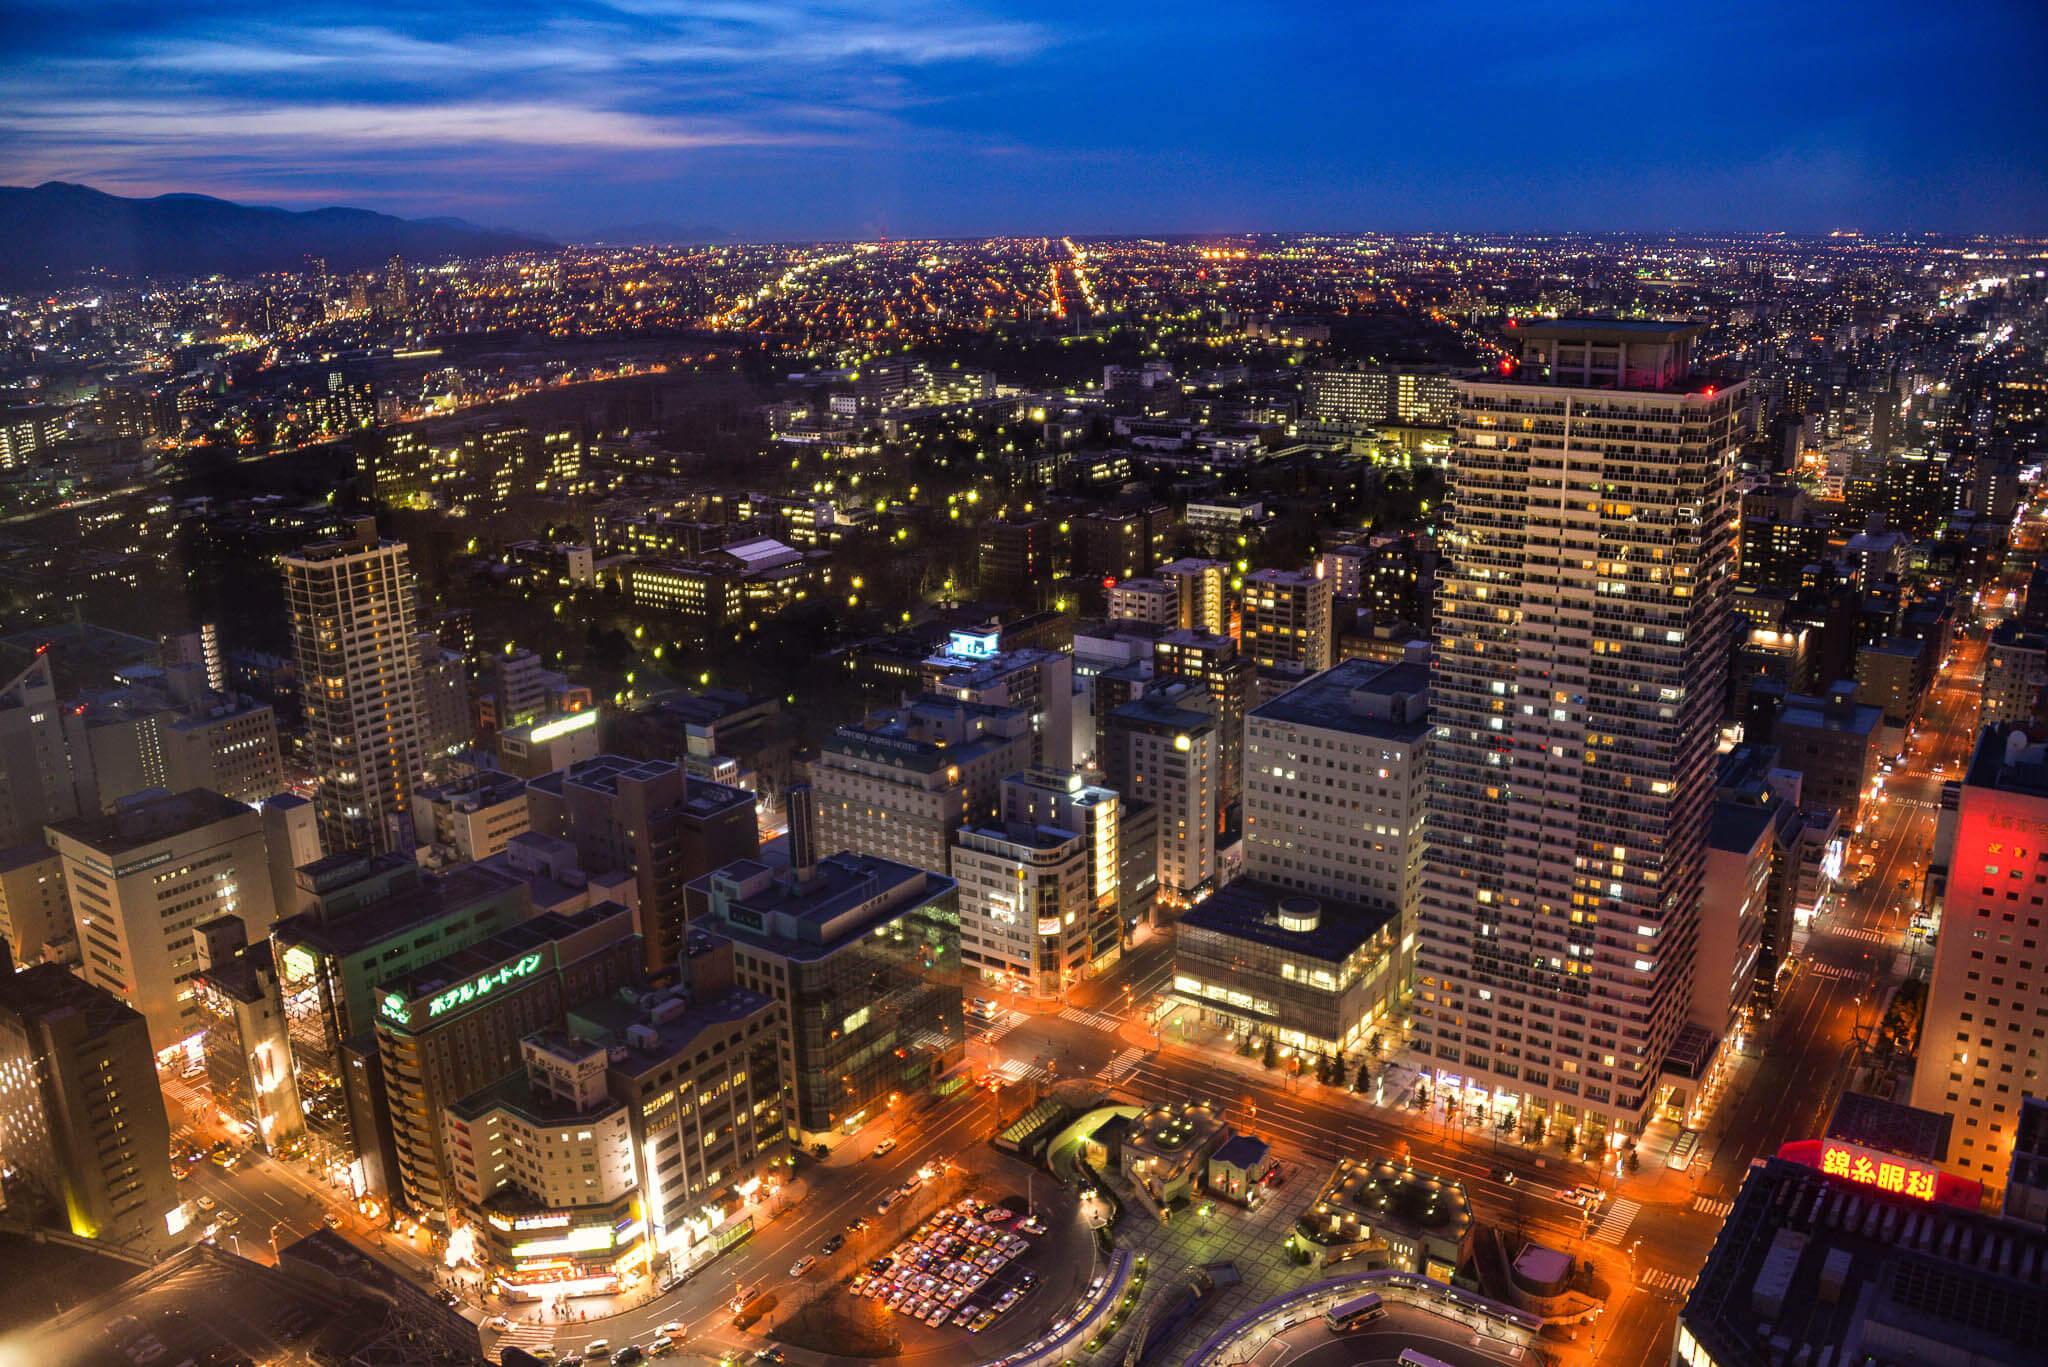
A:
(788, 122)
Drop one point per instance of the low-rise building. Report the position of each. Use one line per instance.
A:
(470, 818)
(1386, 1214)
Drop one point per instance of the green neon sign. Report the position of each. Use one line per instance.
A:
(393, 1006)
(483, 985)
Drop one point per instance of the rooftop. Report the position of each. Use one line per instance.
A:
(845, 896)
(1248, 909)
(542, 931)
(1360, 697)
(348, 932)
(610, 1022)
(1605, 329)
(1360, 1197)
(148, 818)
(1875, 1123)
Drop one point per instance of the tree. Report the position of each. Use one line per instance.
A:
(1363, 1082)
(1634, 1163)
(1271, 1056)
(1379, 1044)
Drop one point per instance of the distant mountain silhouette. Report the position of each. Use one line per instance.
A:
(654, 234)
(54, 230)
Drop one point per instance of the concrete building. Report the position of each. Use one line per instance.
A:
(1288, 628)
(2026, 1177)
(72, 1056)
(535, 748)
(35, 911)
(1384, 1214)
(1202, 591)
(1581, 644)
(555, 878)
(1742, 846)
(142, 877)
(1039, 901)
(1876, 1263)
(291, 840)
(649, 818)
(1145, 600)
(1165, 748)
(1038, 683)
(1337, 774)
(901, 782)
(1016, 560)
(1835, 741)
(35, 764)
(1979, 1057)
(471, 818)
(1231, 679)
(2015, 670)
(247, 1038)
(352, 613)
(446, 725)
(452, 1028)
(1311, 973)
(864, 956)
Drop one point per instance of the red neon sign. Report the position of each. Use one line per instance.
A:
(1885, 1171)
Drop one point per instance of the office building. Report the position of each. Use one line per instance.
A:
(863, 954)
(366, 917)
(1578, 680)
(1039, 683)
(555, 877)
(1017, 560)
(1165, 748)
(1979, 1056)
(1201, 589)
(83, 1135)
(35, 911)
(1121, 544)
(649, 818)
(1355, 397)
(1145, 600)
(35, 762)
(445, 723)
(1872, 1259)
(352, 613)
(1835, 741)
(291, 840)
(452, 1028)
(1040, 905)
(1231, 680)
(1742, 847)
(2026, 1177)
(141, 877)
(2015, 670)
(1288, 627)
(541, 747)
(247, 1044)
(899, 783)
(471, 818)
(1337, 773)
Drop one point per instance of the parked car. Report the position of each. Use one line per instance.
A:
(833, 1245)
(803, 1265)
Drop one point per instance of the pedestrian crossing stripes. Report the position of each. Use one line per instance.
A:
(1004, 1024)
(1017, 1070)
(1093, 1019)
(1122, 1066)
(1831, 971)
(1658, 1280)
(523, 1334)
(1707, 1205)
(1619, 1217)
(1876, 937)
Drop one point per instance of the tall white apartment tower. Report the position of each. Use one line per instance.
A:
(1577, 679)
(351, 603)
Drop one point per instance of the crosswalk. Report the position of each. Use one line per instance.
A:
(1659, 1280)
(1017, 1070)
(1707, 1205)
(526, 1335)
(1122, 1066)
(1614, 1226)
(1003, 1025)
(1832, 971)
(1876, 937)
(1093, 1019)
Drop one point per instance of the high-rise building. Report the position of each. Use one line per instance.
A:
(82, 1124)
(352, 609)
(1289, 632)
(142, 876)
(1336, 777)
(1039, 683)
(1581, 641)
(452, 1028)
(397, 284)
(900, 782)
(291, 840)
(1016, 560)
(34, 910)
(1165, 748)
(35, 761)
(248, 1041)
(1979, 1056)
(1121, 544)
(1040, 906)
(864, 955)
(652, 819)
(1230, 678)
(1203, 602)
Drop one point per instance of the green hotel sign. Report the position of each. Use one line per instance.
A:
(482, 985)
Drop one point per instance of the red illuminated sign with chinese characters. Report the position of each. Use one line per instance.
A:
(1886, 1174)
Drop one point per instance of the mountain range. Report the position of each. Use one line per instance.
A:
(50, 232)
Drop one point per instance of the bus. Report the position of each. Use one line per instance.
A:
(1352, 1313)
(1411, 1358)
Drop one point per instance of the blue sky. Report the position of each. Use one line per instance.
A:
(796, 120)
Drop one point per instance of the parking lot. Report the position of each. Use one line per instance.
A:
(960, 1267)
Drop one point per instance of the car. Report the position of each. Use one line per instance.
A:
(889, 1203)
(746, 1296)
(598, 1348)
(331, 1220)
(498, 1322)
(1504, 1176)
(886, 1147)
(858, 1224)
(673, 1329)
(833, 1245)
(661, 1346)
(771, 1355)
(228, 1219)
(206, 1203)
(628, 1355)
(881, 1266)
(939, 1315)
(1033, 1225)
(803, 1265)
(908, 1187)
(1592, 1194)
(1570, 1195)
(543, 1355)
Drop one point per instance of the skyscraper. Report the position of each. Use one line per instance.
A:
(1580, 649)
(1288, 629)
(352, 630)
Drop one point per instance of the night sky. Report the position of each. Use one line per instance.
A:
(825, 121)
